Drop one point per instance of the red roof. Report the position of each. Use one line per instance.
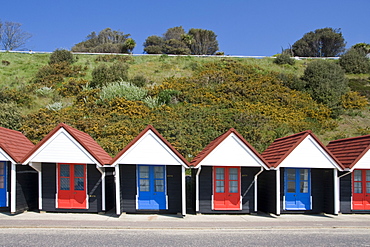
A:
(350, 150)
(84, 139)
(213, 144)
(282, 147)
(137, 138)
(14, 143)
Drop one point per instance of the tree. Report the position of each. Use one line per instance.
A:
(12, 36)
(363, 47)
(204, 42)
(174, 33)
(354, 61)
(153, 45)
(107, 41)
(325, 81)
(176, 41)
(325, 42)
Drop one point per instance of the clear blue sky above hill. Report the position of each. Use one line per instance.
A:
(243, 27)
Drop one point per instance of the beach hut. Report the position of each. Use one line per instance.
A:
(302, 178)
(18, 184)
(226, 173)
(354, 155)
(150, 176)
(70, 166)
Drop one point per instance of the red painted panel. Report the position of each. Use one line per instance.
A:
(226, 188)
(361, 190)
(72, 186)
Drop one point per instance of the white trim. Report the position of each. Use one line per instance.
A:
(57, 181)
(121, 159)
(197, 189)
(278, 191)
(7, 156)
(51, 139)
(256, 189)
(336, 192)
(183, 180)
(13, 187)
(103, 191)
(40, 189)
(118, 189)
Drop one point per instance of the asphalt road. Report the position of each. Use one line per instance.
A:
(178, 237)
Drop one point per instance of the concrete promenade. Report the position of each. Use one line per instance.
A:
(145, 221)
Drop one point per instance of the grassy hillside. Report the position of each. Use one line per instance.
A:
(190, 100)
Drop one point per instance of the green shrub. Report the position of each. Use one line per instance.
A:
(139, 81)
(103, 74)
(355, 62)
(59, 56)
(353, 100)
(284, 59)
(10, 116)
(326, 83)
(122, 89)
(152, 102)
(168, 95)
(44, 91)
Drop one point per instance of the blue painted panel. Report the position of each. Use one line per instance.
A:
(151, 186)
(3, 184)
(297, 189)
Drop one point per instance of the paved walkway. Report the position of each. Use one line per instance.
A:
(145, 221)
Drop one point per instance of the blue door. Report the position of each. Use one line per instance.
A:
(297, 189)
(151, 187)
(3, 183)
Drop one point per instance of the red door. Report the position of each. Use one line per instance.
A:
(72, 186)
(361, 190)
(226, 188)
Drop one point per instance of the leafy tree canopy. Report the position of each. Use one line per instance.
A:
(176, 41)
(107, 41)
(325, 42)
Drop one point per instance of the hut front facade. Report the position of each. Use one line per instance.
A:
(150, 176)
(70, 167)
(303, 177)
(18, 184)
(226, 173)
(355, 179)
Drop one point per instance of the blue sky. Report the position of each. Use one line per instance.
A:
(243, 27)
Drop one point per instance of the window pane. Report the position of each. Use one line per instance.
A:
(79, 184)
(358, 187)
(233, 174)
(367, 187)
(159, 185)
(367, 175)
(2, 168)
(158, 172)
(64, 183)
(220, 173)
(303, 174)
(291, 174)
(2, 184)
(144, 184)
(233, 186)
(291, 186)
(144, 171)
(357, 175)
(64, 171)
(79, 171)
(304, 187)
(220, 188)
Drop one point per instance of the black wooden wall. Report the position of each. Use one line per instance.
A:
(110, 189)
(26, 188)
(206, 190)
(266, 187)
(128, 187)
(345, 185)
(49, 189)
